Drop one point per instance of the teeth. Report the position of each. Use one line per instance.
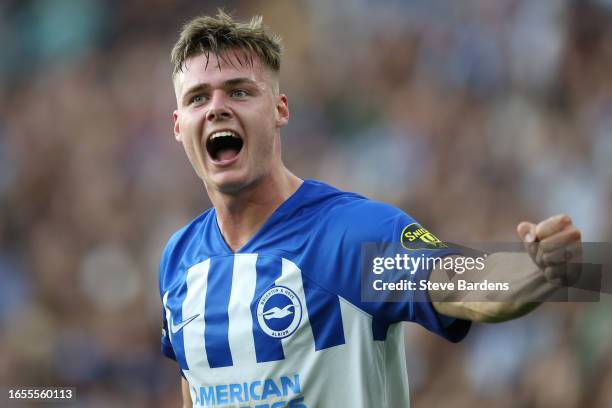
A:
(224, 133)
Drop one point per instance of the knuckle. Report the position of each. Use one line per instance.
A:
(563, 217)
(575, 234)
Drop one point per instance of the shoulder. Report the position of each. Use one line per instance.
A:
(184, 239)
(371, 221)
(360, 218)
(351, 203)
(371, 211)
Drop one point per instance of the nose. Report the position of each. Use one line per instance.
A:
(218, 108)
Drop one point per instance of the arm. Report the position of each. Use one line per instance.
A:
(524, 279)
(531, 276)
(185, 391)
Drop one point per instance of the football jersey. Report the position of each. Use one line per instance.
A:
(281, 322)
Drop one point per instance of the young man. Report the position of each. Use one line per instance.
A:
(261, 294)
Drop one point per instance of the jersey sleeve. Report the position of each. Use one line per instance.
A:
(166, 345)
(420, 307)
(369, 224)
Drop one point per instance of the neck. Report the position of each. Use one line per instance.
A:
(241, 215)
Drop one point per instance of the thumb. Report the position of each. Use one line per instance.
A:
(526, 231)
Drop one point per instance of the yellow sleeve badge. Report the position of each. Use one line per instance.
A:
(415, 237)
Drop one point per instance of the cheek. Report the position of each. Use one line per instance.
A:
(260, 123)
(191, 128)
(190, 133)
(189, 150)
(266, 119)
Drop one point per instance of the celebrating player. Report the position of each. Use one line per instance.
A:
(262, 293)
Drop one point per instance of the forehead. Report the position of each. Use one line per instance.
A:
(214, 70)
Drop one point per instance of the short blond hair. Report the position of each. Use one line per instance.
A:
(216, 35)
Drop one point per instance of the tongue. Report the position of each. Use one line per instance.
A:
(226, 154)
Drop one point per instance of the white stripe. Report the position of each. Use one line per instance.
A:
(240, 332)
(302, 341)
(168, 316)
(194, 303)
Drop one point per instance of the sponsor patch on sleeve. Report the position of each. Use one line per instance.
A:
(415, 237)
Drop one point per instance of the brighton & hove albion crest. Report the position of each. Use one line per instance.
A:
(279, 312)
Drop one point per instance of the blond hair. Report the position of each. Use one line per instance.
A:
(216, 35)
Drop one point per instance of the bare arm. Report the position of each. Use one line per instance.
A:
(531, 277)
(525, 282)
(185, 392)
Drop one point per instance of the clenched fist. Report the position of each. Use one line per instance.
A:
(555, 246)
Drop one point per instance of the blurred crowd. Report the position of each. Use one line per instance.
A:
(470, 115)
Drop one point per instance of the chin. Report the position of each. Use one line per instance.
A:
(231, 188)
(231, 185)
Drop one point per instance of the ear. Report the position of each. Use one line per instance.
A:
(282, 110)
(177, 129)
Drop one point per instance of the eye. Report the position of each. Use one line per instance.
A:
(239, 93)
(197, 99)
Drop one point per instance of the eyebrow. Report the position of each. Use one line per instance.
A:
(204, 86)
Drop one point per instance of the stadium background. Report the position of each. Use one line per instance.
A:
(469, 115)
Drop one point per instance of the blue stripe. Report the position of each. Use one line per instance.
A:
(379, 329)
(324, 315)
(166, 345)
(216, 317)
(175, 305)
(267, 348)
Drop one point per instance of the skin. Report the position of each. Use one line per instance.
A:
(533, 275)
(245, 192)
(185, 393)
(224, 94)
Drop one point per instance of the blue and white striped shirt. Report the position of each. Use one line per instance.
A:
(281, 323)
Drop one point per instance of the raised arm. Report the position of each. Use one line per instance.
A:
(552, 245)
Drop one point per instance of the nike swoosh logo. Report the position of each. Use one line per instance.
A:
(178, 327)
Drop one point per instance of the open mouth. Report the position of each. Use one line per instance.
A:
(224, 145)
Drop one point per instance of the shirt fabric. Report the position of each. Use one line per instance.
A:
(281, 322)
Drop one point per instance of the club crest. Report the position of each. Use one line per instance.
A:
(279, 312)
